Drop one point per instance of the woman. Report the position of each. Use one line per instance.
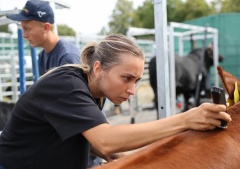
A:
(58, 119)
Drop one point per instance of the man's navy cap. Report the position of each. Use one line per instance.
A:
(34, 10)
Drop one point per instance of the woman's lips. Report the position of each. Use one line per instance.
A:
(124, 99)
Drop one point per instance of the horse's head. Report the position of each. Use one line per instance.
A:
(209, 57)
(228, 81)
(232, 88)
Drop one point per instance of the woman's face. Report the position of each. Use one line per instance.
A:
(118, 83)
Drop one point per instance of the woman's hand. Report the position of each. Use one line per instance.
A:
(206, 116)
(113, 157)
(107, 158)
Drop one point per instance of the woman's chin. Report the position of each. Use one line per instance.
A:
(117, 102)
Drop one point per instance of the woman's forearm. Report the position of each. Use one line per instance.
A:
(128, 137)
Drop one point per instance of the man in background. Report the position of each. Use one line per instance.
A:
(37, 19)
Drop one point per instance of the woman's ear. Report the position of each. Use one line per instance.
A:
(97, 69)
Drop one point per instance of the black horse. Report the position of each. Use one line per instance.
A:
(186, 72)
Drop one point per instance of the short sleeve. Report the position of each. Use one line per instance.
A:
(75, 112)
(70, 59)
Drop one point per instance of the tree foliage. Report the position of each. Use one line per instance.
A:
(64, 30)
(103, 31)
(122, 17)
(177, 11)
(229, 5)
(4, 28)
(143, 15)
(196, 9)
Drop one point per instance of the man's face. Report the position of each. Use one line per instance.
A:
(34, 32)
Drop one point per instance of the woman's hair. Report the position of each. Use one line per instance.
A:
(107, 52)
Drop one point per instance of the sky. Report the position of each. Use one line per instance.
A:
(84, 16)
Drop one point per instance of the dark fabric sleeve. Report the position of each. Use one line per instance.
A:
(74, 113)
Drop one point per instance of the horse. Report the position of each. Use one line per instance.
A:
(186, 74)
(5, 113)
(191, 149)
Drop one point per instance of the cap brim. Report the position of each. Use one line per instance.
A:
(17, 17)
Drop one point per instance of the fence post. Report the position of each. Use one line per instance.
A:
(1, 95)
(21, 61)
(160, 20)
(35, 68)
(13, 79)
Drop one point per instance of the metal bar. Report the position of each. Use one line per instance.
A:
(59, 4)
(188, 33)
(21, 61)
(35, 68)
(191, 27)
(199, 37)
(172, 70)
(14, 11)
(160, 19)
(1, 88)
(200, 74)
(215, 57)
(5, 21)
(14, 79)
(180, 44)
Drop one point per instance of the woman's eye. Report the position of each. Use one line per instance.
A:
(126, 79)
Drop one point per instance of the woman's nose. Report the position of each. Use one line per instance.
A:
(131, 89)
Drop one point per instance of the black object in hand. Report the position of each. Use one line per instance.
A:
(218, 97)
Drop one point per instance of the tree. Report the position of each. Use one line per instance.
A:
(103, 31)
(144, 15)
(196, 9)
(64, 30)
(230, 6)
(215, 6)
(122, 17)
(4, 28)
(176, 11)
